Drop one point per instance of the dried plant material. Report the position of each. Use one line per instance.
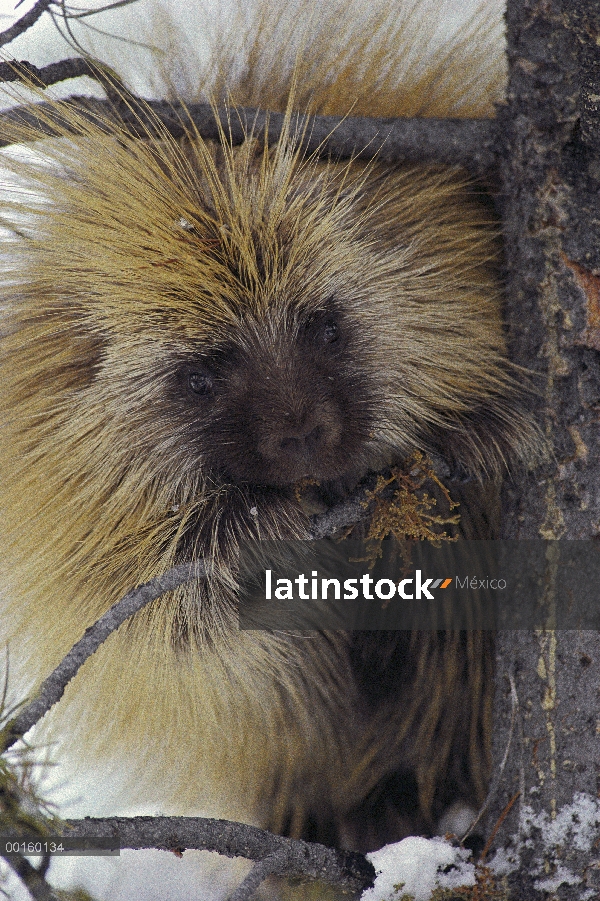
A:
(405, 510)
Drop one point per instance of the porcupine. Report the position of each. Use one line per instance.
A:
(189, 330)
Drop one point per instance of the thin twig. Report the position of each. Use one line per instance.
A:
(274, 864)
(38, 9)
(38, 78)
(348, 512)
(84, 13)
(501, 819)
(25, 22)
(22, 70)
(32, 878)
(498, 775)
(52, 689)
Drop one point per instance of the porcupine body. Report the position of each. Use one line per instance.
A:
(189, 330)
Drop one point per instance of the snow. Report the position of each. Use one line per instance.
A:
(576, 824)
(415, 867)
(562, 876)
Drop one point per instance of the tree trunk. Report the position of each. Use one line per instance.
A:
(548, 683)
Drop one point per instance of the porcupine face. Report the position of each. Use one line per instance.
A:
(265, 368)
(284, 400)
(348, 326)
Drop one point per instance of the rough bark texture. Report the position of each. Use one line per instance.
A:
(551, 189)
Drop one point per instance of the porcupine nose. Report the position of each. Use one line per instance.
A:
(305, 443)
(296, 444)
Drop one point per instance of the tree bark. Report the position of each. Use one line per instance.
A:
(550, 175)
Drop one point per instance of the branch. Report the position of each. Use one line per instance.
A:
(499, 772)
(276, 854)
(273, 865)
(22, 70)
(463, 142)
(32, 878)
(52, 689)
(25, 22)
(348, 512)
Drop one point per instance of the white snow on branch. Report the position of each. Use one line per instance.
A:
(416, 867)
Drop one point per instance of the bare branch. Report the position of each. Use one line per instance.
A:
(345, 869)
(48, 75)
(347, 513)
(25, 22)
(84, 13)
(499, 772)
(53, 687)
(274, 864)
(31, 877)
(464, 142)
(38, 9)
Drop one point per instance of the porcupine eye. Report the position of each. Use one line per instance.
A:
(200, 383)
(330, 332)
(323, 330)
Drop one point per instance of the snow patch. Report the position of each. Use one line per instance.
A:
(576, 824)
(415, 867)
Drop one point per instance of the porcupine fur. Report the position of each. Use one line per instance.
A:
(188, 330)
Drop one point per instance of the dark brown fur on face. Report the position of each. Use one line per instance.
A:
(286, 401)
